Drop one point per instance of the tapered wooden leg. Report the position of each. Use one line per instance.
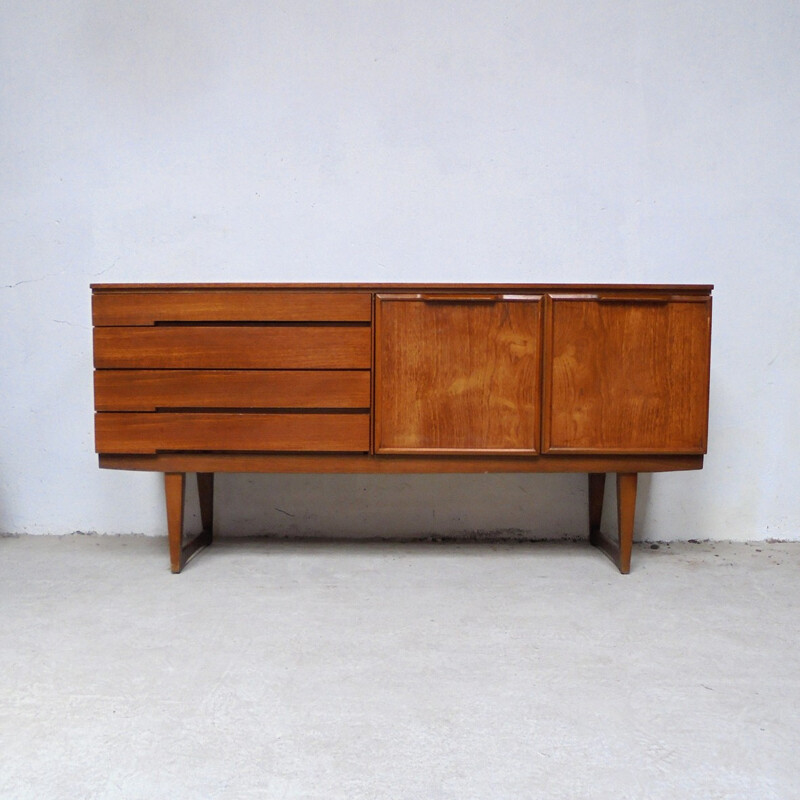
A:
(618, 551)
(597, 486)
(205, 489)
(626, 509)
(175, 488)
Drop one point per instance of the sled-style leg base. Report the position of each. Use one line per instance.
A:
(175, 488)
(620, 551)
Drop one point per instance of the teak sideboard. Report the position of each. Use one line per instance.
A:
(401, 378)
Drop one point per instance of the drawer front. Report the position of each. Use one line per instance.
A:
(223, 432)
(226, 305)
(148, 390)
(233, 347)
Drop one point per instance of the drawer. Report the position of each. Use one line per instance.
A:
(233, 347)
(228, 305)
(220, 432)
(148, 390)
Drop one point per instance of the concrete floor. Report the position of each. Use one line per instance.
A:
(307, 669)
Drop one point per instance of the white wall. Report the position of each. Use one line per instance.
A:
(164, 140)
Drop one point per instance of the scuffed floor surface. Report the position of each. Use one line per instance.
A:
(356, 670)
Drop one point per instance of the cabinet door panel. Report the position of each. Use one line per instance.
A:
(627, 376)
(457, 374)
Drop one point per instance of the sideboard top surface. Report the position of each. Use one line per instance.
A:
(422, 287)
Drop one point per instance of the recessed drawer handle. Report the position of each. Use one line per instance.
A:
(636, 300)
(461, 298)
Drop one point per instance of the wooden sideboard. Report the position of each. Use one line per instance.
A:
(401, 378)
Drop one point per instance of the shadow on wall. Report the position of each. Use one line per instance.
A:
(643, 489)
(508, 507)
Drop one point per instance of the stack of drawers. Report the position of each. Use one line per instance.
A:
(232, 370)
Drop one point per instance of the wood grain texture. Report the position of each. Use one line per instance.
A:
(229, 305)
(133, 432)
(147, 390)
(456, 376)
(233, 347)
(627, 376)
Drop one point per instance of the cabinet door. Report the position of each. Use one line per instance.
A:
(627, 375)
(457, 374)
